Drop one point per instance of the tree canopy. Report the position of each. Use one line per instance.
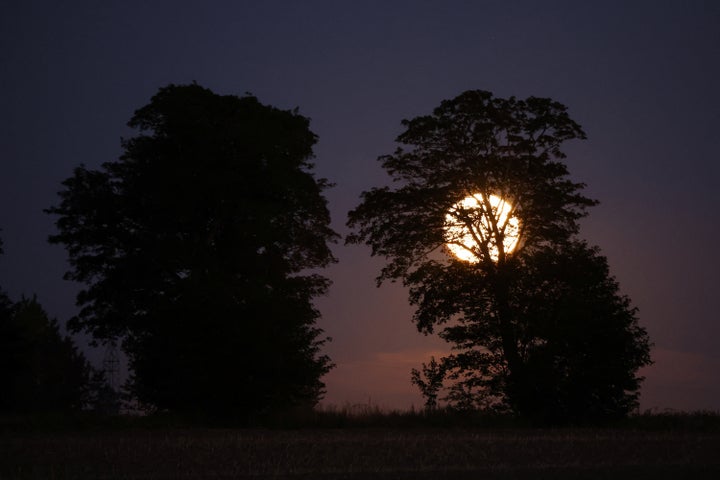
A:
(537, 324)
(40, 370)
(195, 248)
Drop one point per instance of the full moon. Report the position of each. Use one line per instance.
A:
(473, 222)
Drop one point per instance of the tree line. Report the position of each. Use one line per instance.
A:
(199, 248)
(40, 369)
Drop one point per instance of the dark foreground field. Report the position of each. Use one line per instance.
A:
(373, 453)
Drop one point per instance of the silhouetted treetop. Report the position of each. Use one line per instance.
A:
(473, 144)
(481, 225)
(195, 247)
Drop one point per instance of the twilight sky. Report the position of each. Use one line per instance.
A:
(641, 77)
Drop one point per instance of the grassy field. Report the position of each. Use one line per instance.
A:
(360, 453)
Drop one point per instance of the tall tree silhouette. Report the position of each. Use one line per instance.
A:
(195, 247)
(482, 226)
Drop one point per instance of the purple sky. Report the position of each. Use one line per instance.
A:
(641, 77)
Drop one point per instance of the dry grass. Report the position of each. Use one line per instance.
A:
(360, 453)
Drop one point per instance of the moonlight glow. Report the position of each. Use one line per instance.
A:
(474, 222)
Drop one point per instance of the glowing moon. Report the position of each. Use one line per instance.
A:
(473, 222)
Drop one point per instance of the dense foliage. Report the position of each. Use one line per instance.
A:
(540, 330)
(194, 248)
(40, 370)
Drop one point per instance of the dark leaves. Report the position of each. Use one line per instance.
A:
(520, 326)
(206, 225)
